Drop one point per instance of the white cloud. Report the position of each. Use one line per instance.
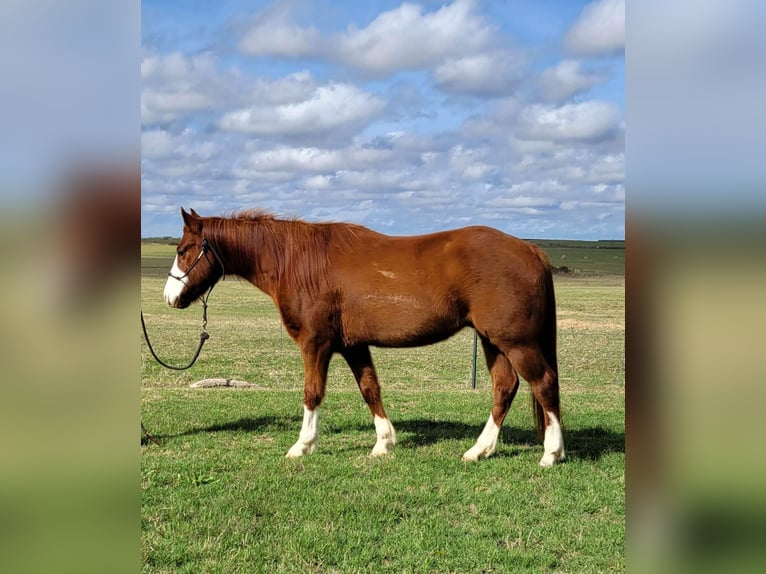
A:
(599, 30)
(521, 201)
(470, 164)
(484, 74)
(606, 169)
(549, 186)
(567, 79)
(331, 107)
(610, 193)
(274, 34)
(529, 159)
(406, 38)
(174, 86)
(572, 165)
(156, 144)
(176, 66)
(398, 39)
(186, 146)
(292, 88)
(530, 197)
(455, 42)
(246, 173)
(586, 121)
(318, 182)
(501, 114)
(160, 107)
(312, 159)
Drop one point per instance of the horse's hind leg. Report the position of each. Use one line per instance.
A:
(505, 383)
(544, 383)
(360, 361)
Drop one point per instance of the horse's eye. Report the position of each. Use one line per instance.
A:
(181, 251)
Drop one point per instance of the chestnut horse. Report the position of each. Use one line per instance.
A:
(341, 288)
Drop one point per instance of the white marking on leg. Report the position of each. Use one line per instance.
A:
(386, 436)
(174, 287)
(307, 439)
(553, 445)
(486, 444)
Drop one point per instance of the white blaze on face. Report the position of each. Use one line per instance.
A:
(174, 287)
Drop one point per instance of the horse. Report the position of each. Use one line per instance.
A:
(341, 288)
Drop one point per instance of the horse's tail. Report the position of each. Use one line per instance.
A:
(547, 339)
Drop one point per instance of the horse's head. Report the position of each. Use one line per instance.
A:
(196, 267)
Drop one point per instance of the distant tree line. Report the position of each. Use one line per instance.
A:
(164, 240)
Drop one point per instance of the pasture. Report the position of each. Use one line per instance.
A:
(218, 494)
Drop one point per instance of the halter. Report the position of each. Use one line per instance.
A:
(204, 335)
(205, 247)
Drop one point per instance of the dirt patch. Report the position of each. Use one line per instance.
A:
(580, 325)
(219, 382)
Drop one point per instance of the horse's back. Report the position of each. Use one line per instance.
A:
(400, 291)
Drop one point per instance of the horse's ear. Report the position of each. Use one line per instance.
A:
(191, 220)
(194, 213)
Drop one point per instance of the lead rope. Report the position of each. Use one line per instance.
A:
(203, 336)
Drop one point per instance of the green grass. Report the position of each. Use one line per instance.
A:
(219, 495)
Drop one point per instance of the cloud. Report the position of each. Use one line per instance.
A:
(175, 86)
(329, 108)
(586, 121)
(275, 34)
(293, 88)
(606, 169)
(406, 38)
(470, 164)
(521, 201)
(187, 146)
(599, 30)
(526, 197)
(312, 159)
(485, 74)
(566, 79)
(389, 164)
(156, 144)
(379, 137)
(455, 43)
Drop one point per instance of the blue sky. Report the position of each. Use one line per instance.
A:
(405, 117)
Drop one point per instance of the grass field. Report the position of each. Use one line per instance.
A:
(219, 496)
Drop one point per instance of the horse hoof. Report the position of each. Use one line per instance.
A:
(299, 449)
(381, 449)
(550, 458)
(472, 455)
(476, 452)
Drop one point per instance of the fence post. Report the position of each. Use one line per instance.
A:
(473, 361)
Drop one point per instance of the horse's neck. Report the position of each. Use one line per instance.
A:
(257, 255)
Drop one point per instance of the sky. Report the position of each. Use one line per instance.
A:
(404, 117)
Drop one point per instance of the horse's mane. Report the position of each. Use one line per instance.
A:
(298, 250)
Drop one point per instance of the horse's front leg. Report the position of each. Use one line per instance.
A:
(316, 358)
(360, 361)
